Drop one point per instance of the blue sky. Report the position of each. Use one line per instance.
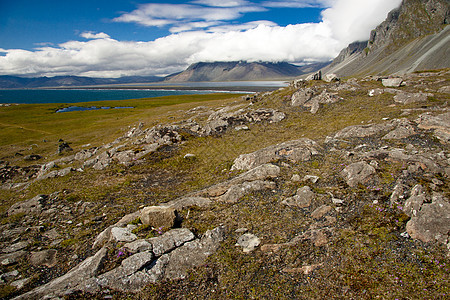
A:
(111, 38)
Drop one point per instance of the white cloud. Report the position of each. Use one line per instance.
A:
(298, 3)
(180, 15)
(223, 3)
(103, 56)
(352, 20)
(91, 35)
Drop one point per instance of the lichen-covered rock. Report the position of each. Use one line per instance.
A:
(296, 151)
(248, 242)
(237, 191)
(44, 258)
(392, 82)
(159, 216)
(359, 172)
(432, 222)
(32, 206)
(302, 199)
(408, 98)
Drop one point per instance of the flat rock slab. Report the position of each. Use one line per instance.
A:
(296, 151)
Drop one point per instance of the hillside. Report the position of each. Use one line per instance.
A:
(414, 37)
(241, 71)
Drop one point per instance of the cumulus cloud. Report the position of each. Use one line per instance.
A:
(102, 56)
(91, 35)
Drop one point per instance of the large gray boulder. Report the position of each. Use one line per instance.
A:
(301, 199)
(432, 222)
(31, 206)
(296, 151)
(357, 173)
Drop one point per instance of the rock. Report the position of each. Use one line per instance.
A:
(315, 76)
(44, 258)
(122, 235)
(392, 82)
(432, 222)
(248, 242)
(261, 172)
(415, 201)
(296, 151)
(189, 156)
(320, 211)
(135, 262)
(72, 280)
(85, 154)
(356, 173)
(159, 216)
(302, 199)
(403, 130)
(311, 178)
(241, 127)
(12, 258)
(295, 178)
(302, 96)
(237, 191)
(124, 157)
(331, 77)
(170, 240)
(440, 124)
(64, 147)
(32, 157)
(16, 247)
(10, 275)
(407, 98)
(193, 253)
(21, 283)
(306, 270)
(32, 206)
(361, 131)
(138, 246)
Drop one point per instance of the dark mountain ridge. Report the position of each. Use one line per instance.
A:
(413, 37)
(241, 71)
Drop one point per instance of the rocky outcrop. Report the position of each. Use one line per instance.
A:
(169, 256)
(296, 151)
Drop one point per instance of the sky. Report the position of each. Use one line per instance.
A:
(114, 38)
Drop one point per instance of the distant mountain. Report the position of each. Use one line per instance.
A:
(11, 82)
(242, 71)
(414, 37)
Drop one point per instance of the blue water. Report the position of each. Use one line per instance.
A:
(74, 96)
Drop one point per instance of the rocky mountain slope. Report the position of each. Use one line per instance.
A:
(242, 71)
(413, 37)
(311, 191)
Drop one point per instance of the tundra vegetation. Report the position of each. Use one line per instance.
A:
(332, 223)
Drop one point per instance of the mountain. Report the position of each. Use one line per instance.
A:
(11, 82)
(413, 37)
(241, 71)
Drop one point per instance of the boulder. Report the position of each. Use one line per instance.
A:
(356, 173)
(44, 258)
(408, 98)
(432, 222)
(302, 199)
(315, 76)
(300, 97)
(122, 235)
(296, 151)
(320, 211)
(331, 77)
(237, 191)
(138, 246)
(170, 240)
(159, 216)
(64, 147)
(415, 201)
(32, 206)
(248, 242)
(440, 124)
(392, 82)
